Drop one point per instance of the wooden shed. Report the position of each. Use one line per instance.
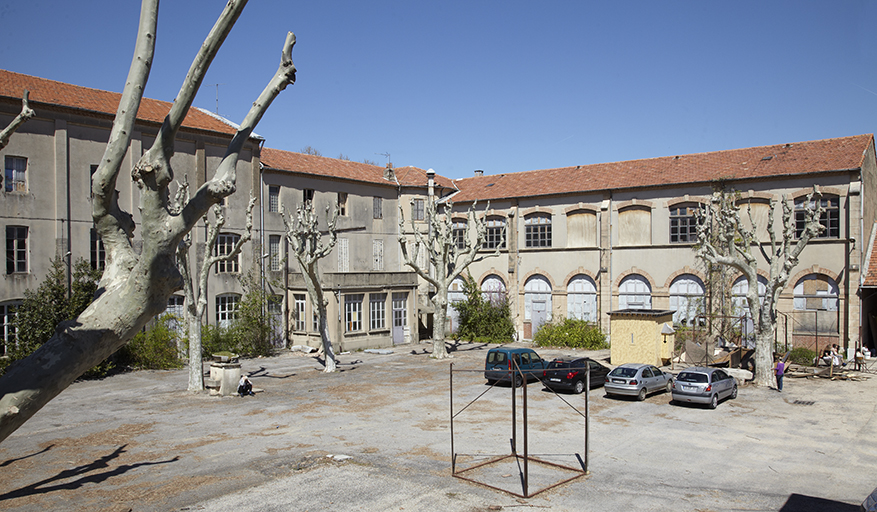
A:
(641, 336)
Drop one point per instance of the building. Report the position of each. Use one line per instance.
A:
(586, 240)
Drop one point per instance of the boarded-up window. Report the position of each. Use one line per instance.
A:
(760, 212)
(635, 226)
(343, 255)
(581, 229)
(816, 305)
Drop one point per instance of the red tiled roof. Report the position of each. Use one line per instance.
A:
(750, 163)
(60, 94)
(870, 267)
(280, 160)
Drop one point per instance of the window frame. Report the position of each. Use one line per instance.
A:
(8, 326)
(377, 311)
(17, 250)
(496, 233)
(353, 312)
(97, 252)
(273, 198)
(418, 209)
(683, 223)
(377, 207)
(537, 230)
(274, 242)
(225, 243)
(830, 218)
(14, 179)
(458, 233)
(227, 305)
(307, 195)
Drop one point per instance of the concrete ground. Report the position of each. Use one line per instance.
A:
(376, 437)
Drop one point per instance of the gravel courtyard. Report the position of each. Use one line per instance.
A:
(376, 436)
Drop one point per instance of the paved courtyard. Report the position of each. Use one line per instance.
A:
(376, 436)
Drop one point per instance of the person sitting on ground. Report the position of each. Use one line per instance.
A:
(827, 357)
(836, 359)
(245, 387)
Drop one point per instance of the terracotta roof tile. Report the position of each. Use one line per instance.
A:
(870, 269)
(60, 94)
(750, 163)
(280, 160)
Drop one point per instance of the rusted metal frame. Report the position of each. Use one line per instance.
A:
(525, 494)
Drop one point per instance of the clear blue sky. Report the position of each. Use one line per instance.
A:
(502, 86)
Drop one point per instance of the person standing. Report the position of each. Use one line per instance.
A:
(779, 371)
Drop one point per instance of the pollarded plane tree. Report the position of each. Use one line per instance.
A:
(25, 114)
(723, 239)
(196, 296)
(445, 257)
(306, 242)
(135, 287)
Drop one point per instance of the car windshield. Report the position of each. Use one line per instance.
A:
(624, 372)
(692, 377)
(496, 357)
(558, 364)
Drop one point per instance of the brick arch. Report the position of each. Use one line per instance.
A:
(583, 271)
(493, 271)
(633, 270)
(581, 207)
(634, 202)
(815, 269)
(685, 270)
(537, 272)
(537, 209)
(822, 190)
(750, 195)
(688, 199)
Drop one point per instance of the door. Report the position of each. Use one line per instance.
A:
(540, 315)
(400, 317)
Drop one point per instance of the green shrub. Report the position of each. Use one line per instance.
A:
(571, 333)
(801, 355)
(152, 349)
(483, 320)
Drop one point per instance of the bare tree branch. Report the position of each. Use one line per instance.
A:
(25, 114)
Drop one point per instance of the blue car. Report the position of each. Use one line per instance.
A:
(499, 366)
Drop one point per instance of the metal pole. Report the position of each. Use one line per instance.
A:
(512, 374)
(453, 453)
(526, 448)
(587, 413)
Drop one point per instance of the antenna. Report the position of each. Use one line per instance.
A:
(217, 95)
(386, 155)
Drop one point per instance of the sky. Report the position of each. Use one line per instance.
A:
(502, 86)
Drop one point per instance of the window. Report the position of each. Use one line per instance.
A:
(98, 254)
(8, 332)
(316, 320)
(581, 229)
(634, 292)
(378, 208)
(224, 246)
(400, 309)
(537, 230)
(90, 177)
(273, 198)
(377, 255)
(686, 299)
(274, 253)
(816, 292)
(299, 311)
(581, 298)
(342, 203)
(635, 225)
(417, 211)
(493, 288)
(458, 233)
(307, 195)
(16, 249)
(226, 309)
(176, 313)
(15, 174)
(830, 218)
(353, 312)
(537, 301)
(683, 224)
(495, 233)
(377, 311)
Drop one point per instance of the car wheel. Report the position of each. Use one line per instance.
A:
(519, 381)
(734, 392)
(491, 382)
(714, 402)
(579, 387)
(669, 386)
(642, 395)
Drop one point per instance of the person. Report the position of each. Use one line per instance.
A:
(836, 359)
(779, 371)
(245, 387)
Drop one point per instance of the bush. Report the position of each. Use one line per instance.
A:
(481, 320)
(801, 355)
(152, 349)
(572, 333)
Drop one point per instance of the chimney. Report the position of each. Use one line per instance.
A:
(430, 184)
(389, 174)
(479, 172)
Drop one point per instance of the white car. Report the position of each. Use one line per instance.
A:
(637, 380)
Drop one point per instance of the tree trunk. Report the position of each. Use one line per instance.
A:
(196, 365)
(440, 305)
(764, 335)
(328, 352)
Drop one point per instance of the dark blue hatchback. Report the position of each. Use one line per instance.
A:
(499, 366)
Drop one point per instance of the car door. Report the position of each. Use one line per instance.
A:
(722, 383)
(597, 372)
(648, 379)
(660, 378)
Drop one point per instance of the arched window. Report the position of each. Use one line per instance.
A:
(816, 292)
(634, 292)
(581, 298)
(496, 235)
(683, 224)
(537, 230)
(493, 288)
(455, 294)
(686, 298)
(738, 294)
(537, 301)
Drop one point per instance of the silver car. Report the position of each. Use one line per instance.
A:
(703, 386)
(637, 380)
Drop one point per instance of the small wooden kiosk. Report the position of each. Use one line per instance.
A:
(641, 336)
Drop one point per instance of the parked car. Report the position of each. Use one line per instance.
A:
(637, 380)
(569, 374)
(498, 366)
(701, 385)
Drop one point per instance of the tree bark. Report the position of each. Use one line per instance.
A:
(134, 287)
(25, 114)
